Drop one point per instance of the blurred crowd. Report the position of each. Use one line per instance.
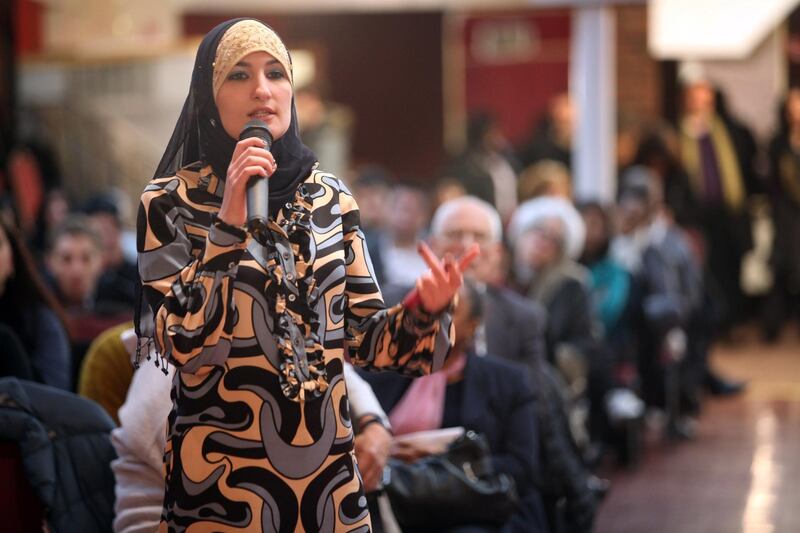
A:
(583, 324)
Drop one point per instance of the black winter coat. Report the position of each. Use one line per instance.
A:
(66, 452)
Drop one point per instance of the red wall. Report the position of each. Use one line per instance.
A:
(518, 92)
(28, 26)
(387, 68)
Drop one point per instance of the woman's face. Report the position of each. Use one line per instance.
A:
(257, 87)
(6, 260)
(541, 245)
(632, 214)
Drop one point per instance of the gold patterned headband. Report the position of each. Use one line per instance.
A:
(243, 38)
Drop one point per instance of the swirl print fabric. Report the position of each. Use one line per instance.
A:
(243, 454)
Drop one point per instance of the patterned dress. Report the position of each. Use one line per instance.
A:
(250, 446)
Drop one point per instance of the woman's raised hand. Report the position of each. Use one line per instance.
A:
(249, 159)
(437, 287)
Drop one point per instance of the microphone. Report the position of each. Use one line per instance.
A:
(258, 187)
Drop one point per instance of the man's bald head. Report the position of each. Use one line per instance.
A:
(450, 214)
(465, 220)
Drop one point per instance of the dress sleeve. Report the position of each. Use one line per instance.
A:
(191, 297)
(409, 341)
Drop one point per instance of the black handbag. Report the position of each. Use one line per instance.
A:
(454, 488)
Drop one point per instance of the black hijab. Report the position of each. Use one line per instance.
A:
(199, 135)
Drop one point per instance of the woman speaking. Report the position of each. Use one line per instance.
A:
(258, 326)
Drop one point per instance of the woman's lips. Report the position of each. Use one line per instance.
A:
(261, 115)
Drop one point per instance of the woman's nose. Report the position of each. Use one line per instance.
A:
(262, 90)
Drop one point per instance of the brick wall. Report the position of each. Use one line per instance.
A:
(638, 75)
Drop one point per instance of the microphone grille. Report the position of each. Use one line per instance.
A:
(256, 128)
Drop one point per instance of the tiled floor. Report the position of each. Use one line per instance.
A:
(742, 473)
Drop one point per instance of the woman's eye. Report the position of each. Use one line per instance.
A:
(276, 74)
(237, 76)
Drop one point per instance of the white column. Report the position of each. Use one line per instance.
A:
(592, 87)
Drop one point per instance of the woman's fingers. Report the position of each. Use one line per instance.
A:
(436, 266)
(426, 285)
(255, 170)
(432, 261)
(241, 146)
(248, 152)
(469, 256)
(257, 151)
(438, 286)
(249, 159)
(453, 271)
(253, 160)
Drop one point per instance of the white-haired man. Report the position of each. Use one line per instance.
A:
(514, 328)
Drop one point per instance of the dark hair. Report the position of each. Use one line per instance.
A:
(102, 203)
(25, 292)
(409, 186)
(478, 126)
(74, 226)
(721, 103)
(599, 209)
(373, 176)
(653, 147)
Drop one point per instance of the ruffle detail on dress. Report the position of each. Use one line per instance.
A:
(293, 292)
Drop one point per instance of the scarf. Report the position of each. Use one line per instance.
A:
(546, 282)
(727, 163)
(199, 136)
(422, 406)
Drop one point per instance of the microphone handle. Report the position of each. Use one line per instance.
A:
(257, 187)
(257, 204)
